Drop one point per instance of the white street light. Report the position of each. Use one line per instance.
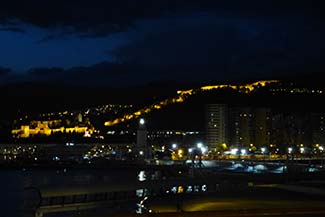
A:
(234, 151)
(174, 146)
(302, 150)
(142, 121)
(243, 151)
(199, 145)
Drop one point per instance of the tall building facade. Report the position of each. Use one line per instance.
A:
(262, 127)
(216, 126)
(318, 128)
(257, 127)
(249, 126)
(291, 129)
(241, 126)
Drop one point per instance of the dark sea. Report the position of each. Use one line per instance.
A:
(11, 197)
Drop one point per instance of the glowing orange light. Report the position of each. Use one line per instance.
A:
(182, 95)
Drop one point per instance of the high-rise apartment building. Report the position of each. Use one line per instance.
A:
(237, 126)
(262, 127)
(241, 126)
(216, 126)
(318, 128)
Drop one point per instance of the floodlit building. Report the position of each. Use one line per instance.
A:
(50, 127)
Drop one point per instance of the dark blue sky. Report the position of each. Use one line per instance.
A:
(128, 42)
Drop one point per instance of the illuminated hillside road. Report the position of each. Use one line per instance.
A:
(182, 95)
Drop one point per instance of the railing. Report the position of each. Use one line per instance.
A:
(43, 202)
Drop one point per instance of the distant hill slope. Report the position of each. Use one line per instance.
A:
(35, 97)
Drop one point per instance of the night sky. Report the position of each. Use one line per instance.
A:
(127, 42)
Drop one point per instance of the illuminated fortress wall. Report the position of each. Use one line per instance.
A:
(46, 128)
(182, 95)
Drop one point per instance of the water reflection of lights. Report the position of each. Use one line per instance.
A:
(142, 176)
(141, 207)
(175, 190)
(189, 189)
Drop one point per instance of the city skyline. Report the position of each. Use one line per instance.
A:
(162, 107)
(184, 111)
